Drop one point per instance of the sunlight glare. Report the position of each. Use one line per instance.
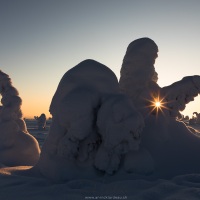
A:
(157, 104)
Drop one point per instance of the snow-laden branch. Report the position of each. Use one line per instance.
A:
(180, 93)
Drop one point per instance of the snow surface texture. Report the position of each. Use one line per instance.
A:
(93, 125)
(185, 187)
(174, 149)
(17, 146)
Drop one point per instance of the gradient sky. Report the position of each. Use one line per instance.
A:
(41, 39)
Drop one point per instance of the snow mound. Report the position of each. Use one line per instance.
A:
(93, 125)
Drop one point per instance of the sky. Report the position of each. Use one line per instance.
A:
(41, 39)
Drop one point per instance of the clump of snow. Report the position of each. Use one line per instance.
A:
(180, 93)
(93, 125)
(138, 76)
(174, 149)
(120, 130)
(17, 146)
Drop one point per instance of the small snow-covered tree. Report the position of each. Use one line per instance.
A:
(17, 146)
(41, 121)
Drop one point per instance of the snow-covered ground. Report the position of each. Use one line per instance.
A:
(185, 187)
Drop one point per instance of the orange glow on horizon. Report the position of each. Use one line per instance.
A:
(31, 109)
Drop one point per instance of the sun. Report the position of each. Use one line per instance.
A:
(157, 104)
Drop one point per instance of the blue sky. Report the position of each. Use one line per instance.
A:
(41, 39)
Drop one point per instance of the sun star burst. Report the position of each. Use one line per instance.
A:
(157, 104)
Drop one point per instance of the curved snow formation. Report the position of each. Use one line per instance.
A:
(93, 125)
(138, 75)
(17, 146)
(178, 94)
(174, 149)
